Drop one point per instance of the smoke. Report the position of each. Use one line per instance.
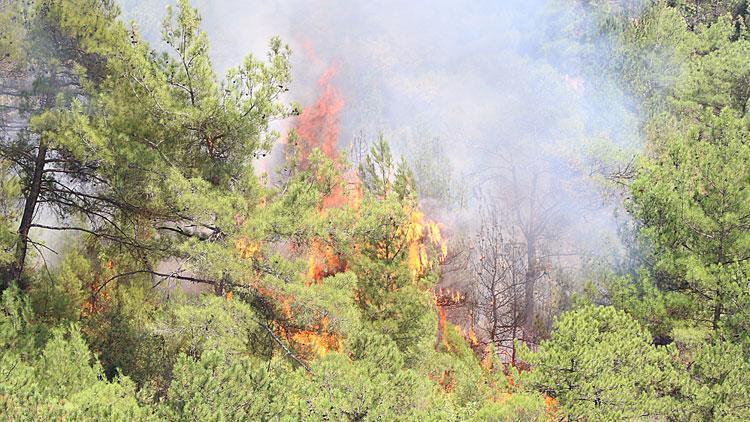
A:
(508, 90)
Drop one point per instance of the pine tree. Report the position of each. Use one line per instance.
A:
(600, 364)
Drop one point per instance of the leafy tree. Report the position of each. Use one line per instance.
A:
(719, 383)
(62, 380)
(215, 388)
(148, 156)
(381, 176)
(692, 203)
(600, 364)
(154, 127)
(690, 196)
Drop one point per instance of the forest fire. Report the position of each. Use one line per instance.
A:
(319, 339)
(318, 125)
(246, 248)
(419, 234)
(445, 298)
(324, 261)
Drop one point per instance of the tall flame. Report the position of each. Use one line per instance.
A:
(419, 234)
(318, 125)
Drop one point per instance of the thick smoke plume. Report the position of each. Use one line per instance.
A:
(499, 89)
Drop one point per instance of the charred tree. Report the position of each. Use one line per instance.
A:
(500, 271)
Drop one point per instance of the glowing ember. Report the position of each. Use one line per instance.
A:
(98, 299)
(447, 381)
(552, 406)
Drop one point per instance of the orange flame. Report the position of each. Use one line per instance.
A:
(472, 337)
(246, 248)
(419, 234)
(318, 125)
(446, 297)
(319, 339)
(324, 261)
(552, 406)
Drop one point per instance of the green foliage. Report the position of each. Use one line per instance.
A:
(62, 380)
(213, 388)
(120, 332)
(361, 390)
(719, 383)
(10, 189)
(690, 194)
(381, 176)
(434, 176)
(600, 364)
(60, 295)
(148, 156)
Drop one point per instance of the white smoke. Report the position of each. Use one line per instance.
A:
(488, 79)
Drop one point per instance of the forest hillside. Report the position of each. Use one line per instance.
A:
(181, 240)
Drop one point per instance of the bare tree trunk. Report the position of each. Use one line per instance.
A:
(27, 218)
(529, 288)
(15, 272)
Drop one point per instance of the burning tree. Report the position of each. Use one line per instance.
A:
(397, 251)
(366, 224)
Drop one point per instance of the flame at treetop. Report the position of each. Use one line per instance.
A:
(318, 125)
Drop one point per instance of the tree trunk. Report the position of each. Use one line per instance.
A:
(27, 218)
(15, 271)
(529, 287)
(717, 312)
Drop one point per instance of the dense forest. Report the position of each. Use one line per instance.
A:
(176, 244)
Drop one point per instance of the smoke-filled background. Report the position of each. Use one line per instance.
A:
(501, 108)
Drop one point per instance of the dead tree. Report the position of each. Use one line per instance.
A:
(500, 271)
(526, 191)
